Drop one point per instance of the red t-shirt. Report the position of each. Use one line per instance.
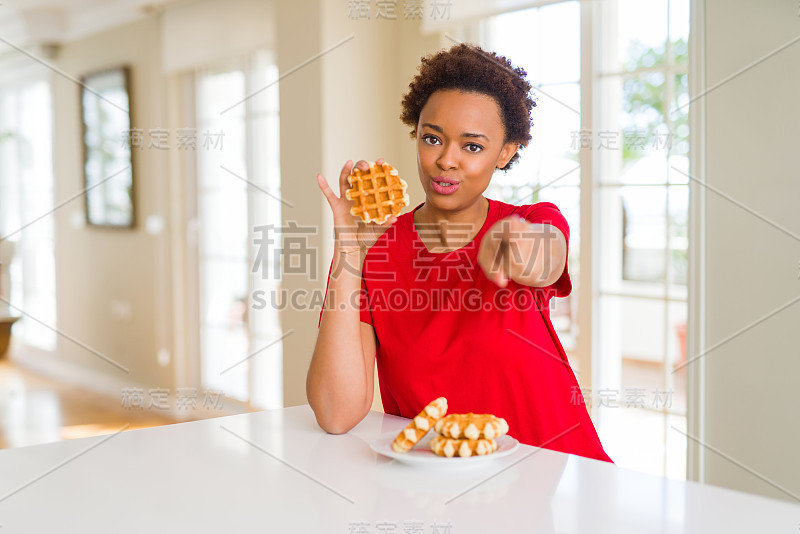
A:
(445, 330)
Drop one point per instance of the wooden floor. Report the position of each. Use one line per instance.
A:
(35, 410)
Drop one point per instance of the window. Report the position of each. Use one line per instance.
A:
(26, 194)
(638, 143)
(643, 213)
(238, 184)
(548, 169)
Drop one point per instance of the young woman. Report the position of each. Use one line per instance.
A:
(451, 299)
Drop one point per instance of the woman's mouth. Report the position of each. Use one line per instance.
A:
(442, 186)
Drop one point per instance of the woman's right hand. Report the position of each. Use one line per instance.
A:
(351, 230)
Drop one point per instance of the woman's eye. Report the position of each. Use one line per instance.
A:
(429, 139)
(472, 147)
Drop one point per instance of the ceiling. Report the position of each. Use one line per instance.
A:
(27, 22)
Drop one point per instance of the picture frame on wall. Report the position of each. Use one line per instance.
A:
(107, 163)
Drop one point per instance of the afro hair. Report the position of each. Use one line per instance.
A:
(470, 69)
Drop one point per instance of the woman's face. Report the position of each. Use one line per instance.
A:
(459, 142)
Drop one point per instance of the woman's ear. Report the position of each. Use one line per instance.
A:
(507, 152)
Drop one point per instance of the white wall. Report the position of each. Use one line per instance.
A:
(301, 141)
(97, 266)
(753, 137)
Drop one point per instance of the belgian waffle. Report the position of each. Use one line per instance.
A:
(420, 425)
(464, 448)
(377, 193)
(471, 426)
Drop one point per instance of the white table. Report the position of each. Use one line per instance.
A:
(277, 471)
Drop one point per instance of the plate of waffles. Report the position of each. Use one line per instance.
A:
(458, 439)
(421, 453)
(377, 193)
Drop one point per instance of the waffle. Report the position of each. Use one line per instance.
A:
(471, 426)
(420, 425)
(377, 194)
(462, 447)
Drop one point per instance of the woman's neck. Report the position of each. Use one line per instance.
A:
(443, 231)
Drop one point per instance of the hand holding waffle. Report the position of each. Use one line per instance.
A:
(371, 196)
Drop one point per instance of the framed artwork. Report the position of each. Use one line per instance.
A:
(107, 164)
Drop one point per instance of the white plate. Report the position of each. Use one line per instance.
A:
(422, 453)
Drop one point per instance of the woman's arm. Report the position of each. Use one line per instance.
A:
(530, 254)
(340, 381)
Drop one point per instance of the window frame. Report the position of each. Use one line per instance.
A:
(194, 191)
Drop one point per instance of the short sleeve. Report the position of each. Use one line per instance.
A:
(548, 213)
(366, 314)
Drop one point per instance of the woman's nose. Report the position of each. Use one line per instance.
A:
(448, 158)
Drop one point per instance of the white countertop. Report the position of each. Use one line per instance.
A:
(277, 471)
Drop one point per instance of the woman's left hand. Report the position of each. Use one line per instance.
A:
(515, 249)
